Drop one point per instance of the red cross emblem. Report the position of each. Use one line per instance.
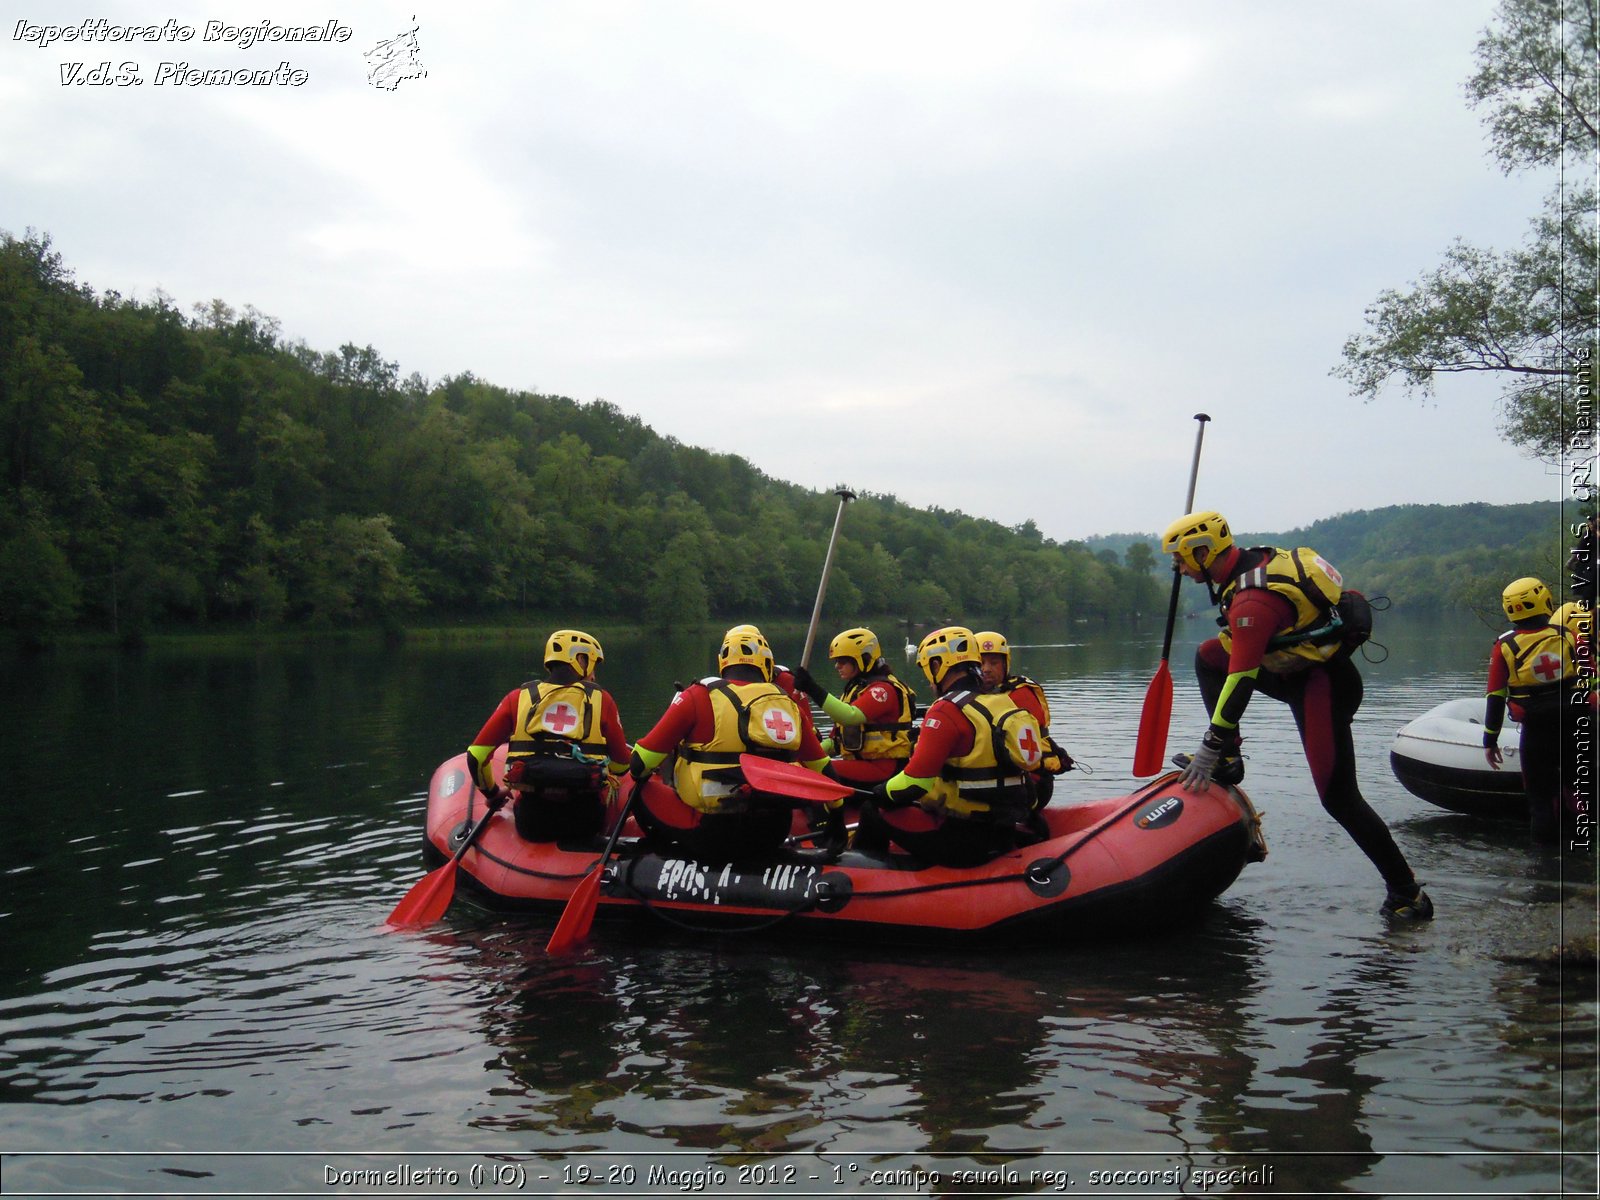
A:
(1547, 667)
(559, 718)
(779, 726)
(1030, 747)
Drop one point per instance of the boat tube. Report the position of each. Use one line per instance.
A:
(1439, 758)
(1150, 859)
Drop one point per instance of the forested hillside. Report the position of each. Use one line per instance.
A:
(1424, 557)
(176, 471)
(1436, 557)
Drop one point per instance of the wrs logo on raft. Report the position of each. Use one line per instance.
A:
(1161, 814)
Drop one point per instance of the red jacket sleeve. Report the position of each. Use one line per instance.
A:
(946, 734)
(1026, 698)
(1254, 618)
(680, 720)
(1499, 673)
(810, 747)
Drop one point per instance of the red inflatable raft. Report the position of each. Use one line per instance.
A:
(1149, 859)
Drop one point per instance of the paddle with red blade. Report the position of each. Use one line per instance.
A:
(428, 898)
(578, 916)
(794, 781)
(1156, 716)
(802, 784)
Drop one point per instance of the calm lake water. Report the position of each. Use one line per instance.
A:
(200, 998)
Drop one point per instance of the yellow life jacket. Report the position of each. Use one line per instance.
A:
(552, 718)
(1539, 661)
(749, 718)
(992, 778)
(890, 739)
(1312, 585)
(1052, 760)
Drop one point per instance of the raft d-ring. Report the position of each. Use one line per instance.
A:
(458, 835)
(833, 890)
(1047, 877)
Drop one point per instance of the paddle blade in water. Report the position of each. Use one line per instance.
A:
(791, 780)
(430, 896)
(427, 900)
(578, 916)
(1151, 748)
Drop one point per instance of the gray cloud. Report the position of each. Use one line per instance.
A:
(991, 263)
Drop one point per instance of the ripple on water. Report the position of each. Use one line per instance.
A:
(204, 965)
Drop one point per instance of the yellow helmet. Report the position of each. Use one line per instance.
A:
(860, 646)
(1206, 531)
(565, 645)
(1578, 619)
(1526, 597)
(946, 648)
(744, 644)
(990, 642)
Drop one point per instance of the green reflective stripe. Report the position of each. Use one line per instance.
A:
(908, 783)
(1229, 687)
(843, 712)
(479, 756)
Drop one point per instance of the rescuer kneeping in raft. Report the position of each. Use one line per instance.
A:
(1282, 635)
(714, 815)
(871, 739)
(967, 787)
(564, 745)
(1025, 693)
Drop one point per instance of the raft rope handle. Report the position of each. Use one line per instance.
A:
(1046, 864)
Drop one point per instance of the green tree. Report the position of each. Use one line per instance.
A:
(261, 591)
(676, 594)
(38, 587)
(1536, 79)
(350, 569)
(1529, 315)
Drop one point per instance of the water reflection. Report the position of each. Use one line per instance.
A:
(193, 957)
(903, 1055)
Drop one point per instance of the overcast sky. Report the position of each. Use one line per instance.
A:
(987, 257)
